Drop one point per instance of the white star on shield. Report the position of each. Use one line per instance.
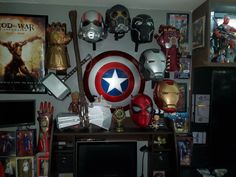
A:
(115, 82)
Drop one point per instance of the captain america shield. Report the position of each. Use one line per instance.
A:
(114, 75)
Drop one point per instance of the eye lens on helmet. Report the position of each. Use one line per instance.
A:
(151, 61)
(136, 109)
(86, 23)
(114, 14)
(97, 23)
(138, 23)
(149, 109)
(124, 13)
(149, 23)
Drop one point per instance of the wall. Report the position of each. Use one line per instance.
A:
(58, 13)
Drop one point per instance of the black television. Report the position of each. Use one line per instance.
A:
(106, 159)
(17, 113)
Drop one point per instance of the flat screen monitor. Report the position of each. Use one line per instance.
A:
(16, 113)
(106, 158)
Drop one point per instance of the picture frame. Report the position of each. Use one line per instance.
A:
(185, 68)
(7, 143)
(22, 39)
(26, 142)
(184, 145)
(181, 22)
(183, 93)
(199, 33)
(42, 164)
(25, 166)
(8, 166)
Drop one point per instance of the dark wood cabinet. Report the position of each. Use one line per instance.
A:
(161, 147)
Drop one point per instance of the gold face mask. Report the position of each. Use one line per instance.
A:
(166, 95)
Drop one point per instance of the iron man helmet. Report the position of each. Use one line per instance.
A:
(152, 64)
(166, 95)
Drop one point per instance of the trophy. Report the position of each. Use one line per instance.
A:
(119, 116)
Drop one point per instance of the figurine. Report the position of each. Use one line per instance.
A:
(74, 105)
(223, 43)
(45, 118)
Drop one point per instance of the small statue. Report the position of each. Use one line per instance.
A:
(155, 124)
(119, 116)
(74, 105)
(45, 117)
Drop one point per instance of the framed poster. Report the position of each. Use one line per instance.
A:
(8, 166)
(199, 33)
(182, 103)
(7, 143)
(181, 22)
(25, 166)
(22, 49)
(185, 144)
(25, 142)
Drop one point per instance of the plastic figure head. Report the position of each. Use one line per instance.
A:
(141, 110)
(92, 27)
(152, 64)
(118, 20)
(226, 20)
(75, 97)
(166, 95)
(142, 29)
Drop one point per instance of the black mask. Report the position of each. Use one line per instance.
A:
(118, 20)
(142, 29)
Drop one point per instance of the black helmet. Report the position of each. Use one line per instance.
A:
(142, 29)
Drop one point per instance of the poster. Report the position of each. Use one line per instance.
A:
(181, 22)
(22, 52)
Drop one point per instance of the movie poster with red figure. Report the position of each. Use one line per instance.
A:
(22, 53)
(25, 142)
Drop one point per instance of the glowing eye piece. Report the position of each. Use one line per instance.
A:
(136, 109)
(138, 23)
(149, 109)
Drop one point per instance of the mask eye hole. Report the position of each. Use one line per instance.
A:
(149, 23)
(138, 23)
(124, 13)
(114, 14)
(86, 23)
(136, 109)
(149, 109)
(97, 23)
(151, 61)
(165, 93)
